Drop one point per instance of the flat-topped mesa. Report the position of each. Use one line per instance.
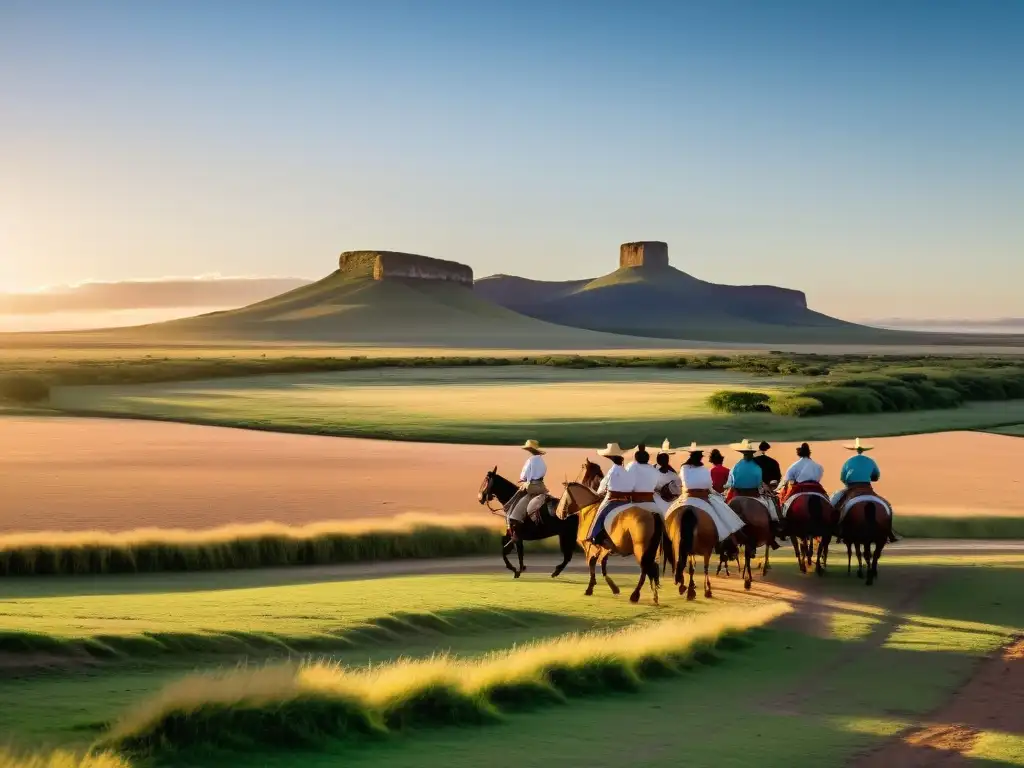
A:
(384, 265)
(645, 253)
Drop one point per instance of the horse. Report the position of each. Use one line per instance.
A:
(809, 516)
(634, 531)
(494, 486)
(690, 531)
(757, 531)
(863, 526)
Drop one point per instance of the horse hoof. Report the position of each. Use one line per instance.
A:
(589, 593)
(516, 574)
(707, 593)
(615, 590)
(682, 589)
(746, 585)
(635, 597)
(691, 596)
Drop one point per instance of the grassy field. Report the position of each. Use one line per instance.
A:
(495, 405)
(871, 662)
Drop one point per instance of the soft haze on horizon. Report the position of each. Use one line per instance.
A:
(811, 145)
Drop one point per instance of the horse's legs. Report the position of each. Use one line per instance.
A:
(765, 567)
(873, 562)
(604, 572)
(799, 555)
(748, 555)
(860, 564)
(568, 546)
(593, 576)
(707, 576)
(504, 554)
(691, 591)
(819, 567)
(635, 596)
(519, 552)
(849, 557)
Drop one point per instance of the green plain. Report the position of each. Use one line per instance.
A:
(494, 404)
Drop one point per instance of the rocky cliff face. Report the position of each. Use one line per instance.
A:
(646, 253)
(383, 265)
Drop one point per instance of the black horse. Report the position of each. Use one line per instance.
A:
(498, 488)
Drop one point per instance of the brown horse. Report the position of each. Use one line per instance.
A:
(865, 526)
(634, 531)
(689, 531)
(496, 487)
(757, 532)
(810, 515)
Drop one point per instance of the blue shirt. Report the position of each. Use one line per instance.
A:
(859, 469)
(745, 475)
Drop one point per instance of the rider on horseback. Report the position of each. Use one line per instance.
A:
(531, 485)
(669, 485)
(804, 474)
(746, 479)
(645, 480)
(697, 484)
(857, 474)
(616, 489)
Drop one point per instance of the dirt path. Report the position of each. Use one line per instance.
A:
(81, 474)
(993, 700)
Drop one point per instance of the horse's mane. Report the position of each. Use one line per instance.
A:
(498, 479)
(580, 494)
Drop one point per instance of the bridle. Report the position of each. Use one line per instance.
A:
(487, 497)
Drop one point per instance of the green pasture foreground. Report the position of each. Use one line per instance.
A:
(808, 691)
(559, 406)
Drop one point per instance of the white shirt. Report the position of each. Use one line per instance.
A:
(804, 471)
(618, 480)
(533, 469)
(645, 477)
(669, 480)
(695, 478)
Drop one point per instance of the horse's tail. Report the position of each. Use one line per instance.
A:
(667, 555)
(870, 520)
(650, 559)
(687, 528)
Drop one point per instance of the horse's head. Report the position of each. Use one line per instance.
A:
(576, 497)
(591, 474)
(487, 486)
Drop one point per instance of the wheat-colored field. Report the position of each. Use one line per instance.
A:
(84, 474)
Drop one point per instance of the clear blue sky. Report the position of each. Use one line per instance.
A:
(826, 146)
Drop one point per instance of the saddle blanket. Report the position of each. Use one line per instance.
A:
(773, 513)
(848, 504)
(795, 496)
(611, 512)
(727, 522)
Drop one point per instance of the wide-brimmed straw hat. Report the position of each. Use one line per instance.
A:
(613, 449)
(532, 445)
(857, 445)
(745, 447)
(666, 448)
(692, 448)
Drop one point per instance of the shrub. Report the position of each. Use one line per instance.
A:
(739, 401)
(26, 390)
(843, 399)
(794, 405)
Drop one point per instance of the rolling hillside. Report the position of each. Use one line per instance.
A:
(664, 302)
(344, 308)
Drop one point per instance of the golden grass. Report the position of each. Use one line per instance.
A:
(62, 759)
(198, 709)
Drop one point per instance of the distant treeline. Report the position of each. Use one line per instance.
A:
(892, 392)
(28, 381)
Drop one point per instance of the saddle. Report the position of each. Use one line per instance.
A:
(537, 506)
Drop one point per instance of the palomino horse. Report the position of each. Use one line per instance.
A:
(864, 526)
(634, 531)
(809, 516)
(689, 531)
(757, 531)
(498, 488)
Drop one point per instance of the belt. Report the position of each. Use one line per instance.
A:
(616, 496)
(641, 498)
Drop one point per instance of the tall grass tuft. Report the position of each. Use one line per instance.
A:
(315, 702)
(62, 759)
(244, 546)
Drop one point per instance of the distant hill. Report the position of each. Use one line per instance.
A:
(375, 298)
(646, 296)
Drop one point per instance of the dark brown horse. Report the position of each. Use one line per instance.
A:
(810, 516)
(866, 526)
(757, 532)
(496, 487)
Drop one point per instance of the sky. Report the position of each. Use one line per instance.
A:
(867, 153)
